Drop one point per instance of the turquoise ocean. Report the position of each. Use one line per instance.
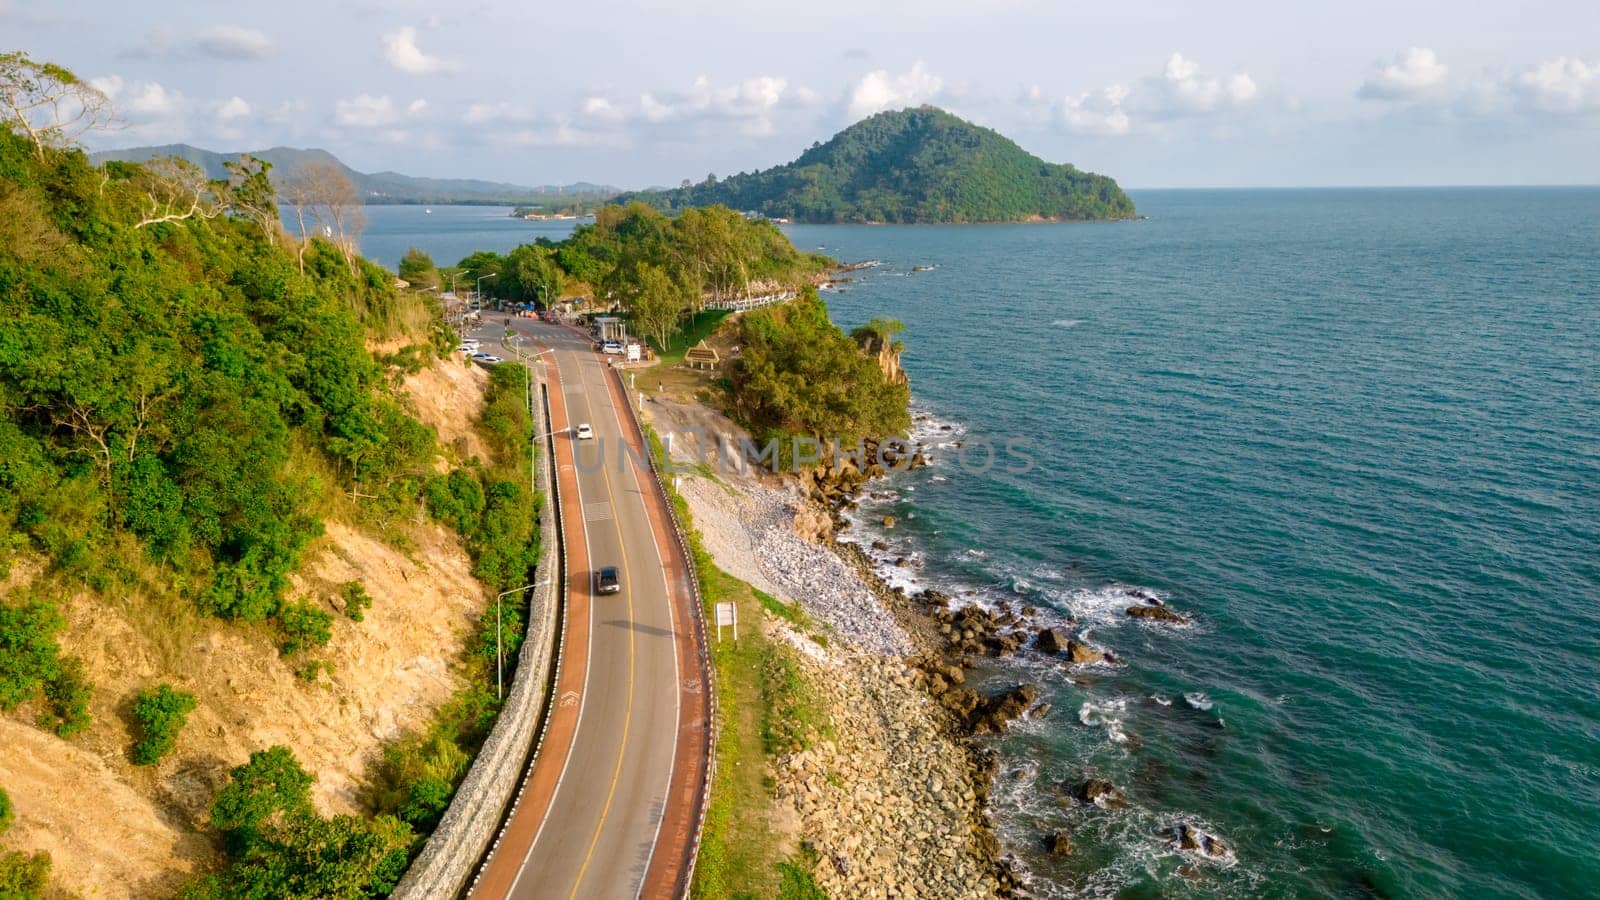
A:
(1355, 435)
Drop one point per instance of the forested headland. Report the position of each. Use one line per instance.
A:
(660, 269)
(911, 165)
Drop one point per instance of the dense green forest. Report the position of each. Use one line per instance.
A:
(797, 374)
(913, 165)
(186, 395)
(657, 268)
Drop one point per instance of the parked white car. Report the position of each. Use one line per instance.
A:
(487, 359)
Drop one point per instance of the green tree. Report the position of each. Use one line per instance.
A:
(303, 626)
(656, 302)
(417, 268)
(28, 650)
(798, 374)
(272, 786)
(24, 876)
(281, 847)
(160, 714)
(7, 814)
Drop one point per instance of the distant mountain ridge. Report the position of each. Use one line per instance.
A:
(376, 187)
(911, 165)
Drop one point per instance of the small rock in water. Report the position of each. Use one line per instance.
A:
(1101, 793)
(888, 521)
(1059, 843)
(1190, 837)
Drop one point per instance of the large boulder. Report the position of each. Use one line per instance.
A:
(813, 524)
(1156, 614)
(995, 712)
(1051, 640)
(963, 701)
(1082, 653)
(1059, 842)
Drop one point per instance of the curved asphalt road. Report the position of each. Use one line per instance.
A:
(597, 834)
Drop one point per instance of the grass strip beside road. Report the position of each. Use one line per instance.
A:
(765, 709)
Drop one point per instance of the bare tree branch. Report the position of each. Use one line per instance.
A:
(177, 189)
(47, 103)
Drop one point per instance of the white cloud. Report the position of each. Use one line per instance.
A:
(234, 42)
(144, 99)
(1415, 73)
(878, 91)
(233, 108)
(365, 111)
(1184, 90)
(147, 110)
(480, 113)
(110, 85)
(401, 51)
(704, 110)
(601, 109)
(1562, 86)
(1099, 112)
(288, 113)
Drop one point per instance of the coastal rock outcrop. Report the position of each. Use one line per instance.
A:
(1083, 654)
(1052, 640)
(1101, 793)
(1059, 842)
(1191, 838)
(1156, 614)
(994, 713)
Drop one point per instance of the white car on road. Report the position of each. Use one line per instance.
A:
(584, 432)
(487, 359)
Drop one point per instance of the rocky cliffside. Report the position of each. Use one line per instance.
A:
(117, 830)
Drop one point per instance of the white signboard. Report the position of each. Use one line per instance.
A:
(727, 614)
(633, 353)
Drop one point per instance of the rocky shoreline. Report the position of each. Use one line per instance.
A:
(894, 803)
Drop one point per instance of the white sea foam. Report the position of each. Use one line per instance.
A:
(1066, 323)
(1106, 715)
(1105, 605)
(1198, 700)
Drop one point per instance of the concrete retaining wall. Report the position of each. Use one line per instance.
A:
(450, 858)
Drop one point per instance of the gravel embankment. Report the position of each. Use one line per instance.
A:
(750, 532)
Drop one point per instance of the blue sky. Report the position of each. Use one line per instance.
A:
(1156, 94)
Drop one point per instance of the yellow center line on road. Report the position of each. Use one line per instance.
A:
(627, 592)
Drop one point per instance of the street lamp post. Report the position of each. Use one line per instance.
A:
(499, 651)
(480, 283)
